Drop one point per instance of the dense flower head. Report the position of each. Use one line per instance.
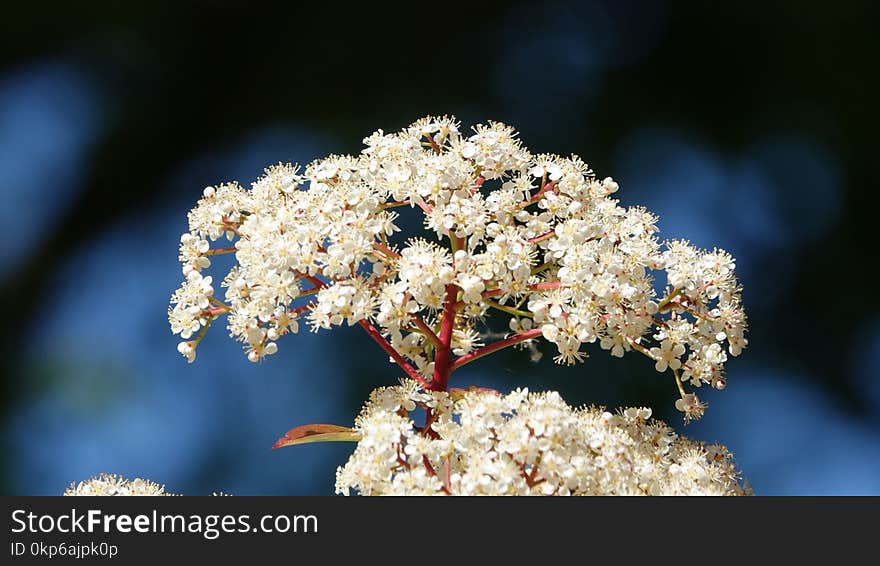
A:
(113, 485)
(106, 485)
(479, 442)
(534, 238)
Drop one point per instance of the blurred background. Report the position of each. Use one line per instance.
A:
(748, 127)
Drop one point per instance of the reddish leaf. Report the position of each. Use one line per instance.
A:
(317, 433)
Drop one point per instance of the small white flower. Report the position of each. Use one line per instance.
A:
(187, 350)
(691, 406)
(667, 355)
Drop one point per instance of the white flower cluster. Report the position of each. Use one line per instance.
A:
(482, 443)
(112, 485)
(535, 237)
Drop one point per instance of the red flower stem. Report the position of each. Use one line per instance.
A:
(545, 188)
(423, 326)
(458, 244)
(546, 286)
(394, 204)
(395, 355)
(429, 420)
(386, 250)
(477, 184)
(308, 292)
(495, 346)
(491, 293)
(229, 226)
(217, 251)
(314, 281)
(542, 237)
(442, 359)
(428, 466)
(427, 331)
(433, 143)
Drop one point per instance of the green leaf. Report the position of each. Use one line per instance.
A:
(317, 433)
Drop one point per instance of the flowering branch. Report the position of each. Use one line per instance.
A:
(495, 346)
(582, 268)
(395, 355)
(579, 270)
